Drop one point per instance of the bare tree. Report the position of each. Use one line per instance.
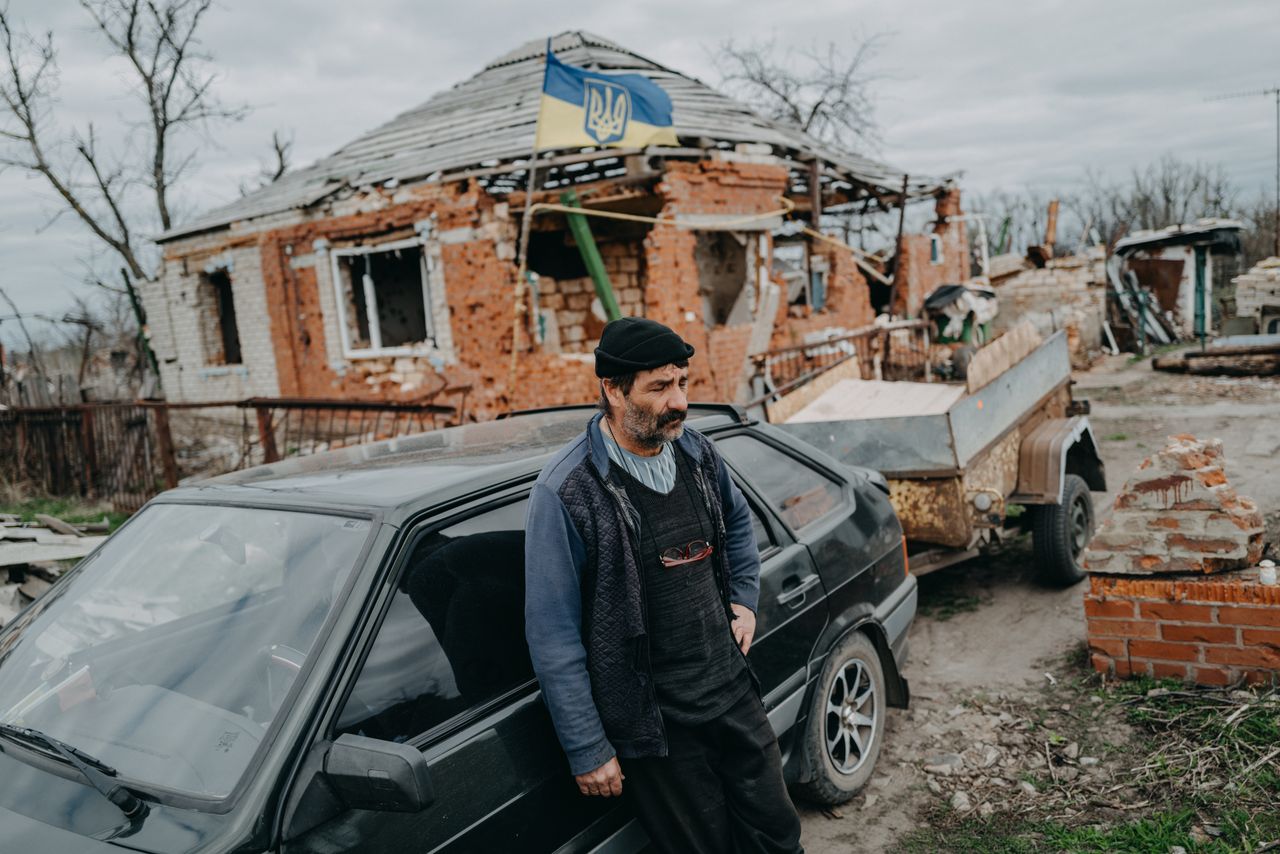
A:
(826, 92)
(170, 78)
(281, 161)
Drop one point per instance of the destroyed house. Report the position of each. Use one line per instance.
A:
(389, 269)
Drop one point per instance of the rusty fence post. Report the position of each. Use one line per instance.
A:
(89, 450)
(266, 436)
(164, 440)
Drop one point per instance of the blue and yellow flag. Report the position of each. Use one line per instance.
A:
(583, 108)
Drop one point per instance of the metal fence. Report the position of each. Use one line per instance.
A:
(895, 351)
(125, 453)
(121, 453)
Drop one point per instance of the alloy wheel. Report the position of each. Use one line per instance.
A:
(850, 716)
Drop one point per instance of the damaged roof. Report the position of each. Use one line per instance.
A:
(1224, 233)
(489, 119)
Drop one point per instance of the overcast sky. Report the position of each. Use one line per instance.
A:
(1013, 94)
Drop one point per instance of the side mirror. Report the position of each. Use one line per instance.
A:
(372, 774)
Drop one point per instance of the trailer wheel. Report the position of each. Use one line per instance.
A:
(842, 735)
(1060, 533)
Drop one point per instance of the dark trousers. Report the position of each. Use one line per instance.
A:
(719, 790)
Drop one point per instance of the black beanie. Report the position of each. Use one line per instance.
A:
(632, 344)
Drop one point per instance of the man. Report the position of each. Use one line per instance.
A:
(641, 580)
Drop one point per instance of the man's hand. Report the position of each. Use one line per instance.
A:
(744, 626)
(605, 781)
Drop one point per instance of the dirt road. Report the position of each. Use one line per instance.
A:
(987, 628)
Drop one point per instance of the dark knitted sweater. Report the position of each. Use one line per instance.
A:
(697, 670)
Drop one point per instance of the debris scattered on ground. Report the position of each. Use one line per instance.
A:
(30, 555)
(1080, 763)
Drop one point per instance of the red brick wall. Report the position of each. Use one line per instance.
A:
(671, 282)
(917, 276)
(848, 302)
(1213, 631)
(658, 278)
(478, 285)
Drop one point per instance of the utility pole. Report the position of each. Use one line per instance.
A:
(1273, 92)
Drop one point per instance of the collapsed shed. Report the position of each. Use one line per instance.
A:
(388, 269)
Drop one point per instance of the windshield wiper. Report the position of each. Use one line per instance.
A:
(97, 772)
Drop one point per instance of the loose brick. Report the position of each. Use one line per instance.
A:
(1201, 634)
(1235, 616)
(1164, 650)
(1209, 545)
(1102, 663)
(1123, 629)
(1176, 611)
(1109, 608)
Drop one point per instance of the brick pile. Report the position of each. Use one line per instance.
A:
(1178, 514)
(1173, 591)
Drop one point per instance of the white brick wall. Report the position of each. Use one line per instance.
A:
(175, 323)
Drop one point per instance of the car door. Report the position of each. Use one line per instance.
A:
(448, 671)
(792, 609)
(846, 531)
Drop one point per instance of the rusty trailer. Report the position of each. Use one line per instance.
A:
(974, 462)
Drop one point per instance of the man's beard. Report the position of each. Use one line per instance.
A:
(649, 429)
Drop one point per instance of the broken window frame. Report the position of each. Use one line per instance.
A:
(375, 348)
(216, 286)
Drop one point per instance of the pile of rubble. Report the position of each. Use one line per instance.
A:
(32, 556)
(1015, 760)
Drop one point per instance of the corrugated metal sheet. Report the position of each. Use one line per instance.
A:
(489, 119)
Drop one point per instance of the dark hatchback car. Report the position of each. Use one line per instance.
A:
(327, 654)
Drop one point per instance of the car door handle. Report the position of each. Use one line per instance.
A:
(795, 596)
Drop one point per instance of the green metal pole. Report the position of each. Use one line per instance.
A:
(591, 255)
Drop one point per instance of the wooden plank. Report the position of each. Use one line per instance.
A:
(858, 400)
(53, 523)
(1002, 354)
(781, 410)
(18, 554)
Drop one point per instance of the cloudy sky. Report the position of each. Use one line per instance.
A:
(1014, 94)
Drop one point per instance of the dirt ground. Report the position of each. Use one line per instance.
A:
(988, 635)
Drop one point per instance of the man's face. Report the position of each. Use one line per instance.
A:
(654, 412)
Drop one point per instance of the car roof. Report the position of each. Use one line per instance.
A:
(396, 477)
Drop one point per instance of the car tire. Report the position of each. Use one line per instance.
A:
(831, 738)
(1060, 533)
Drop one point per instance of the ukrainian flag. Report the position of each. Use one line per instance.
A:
(582, 108)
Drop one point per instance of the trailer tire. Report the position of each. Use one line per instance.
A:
(1060, 533)
(848, 708)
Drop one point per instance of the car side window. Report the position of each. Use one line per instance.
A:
(764, 538)
(453, 638)
(798, 492)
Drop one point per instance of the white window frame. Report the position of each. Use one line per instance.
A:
(371, 302)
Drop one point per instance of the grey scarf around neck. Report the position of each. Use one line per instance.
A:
(657, 472)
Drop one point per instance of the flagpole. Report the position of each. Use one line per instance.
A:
(523, 257)
(522, 267)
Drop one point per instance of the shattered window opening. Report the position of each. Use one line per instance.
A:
(723, 273)
(219, 330)
(384, 299)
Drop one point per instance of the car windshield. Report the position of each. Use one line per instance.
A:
(168, 653)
